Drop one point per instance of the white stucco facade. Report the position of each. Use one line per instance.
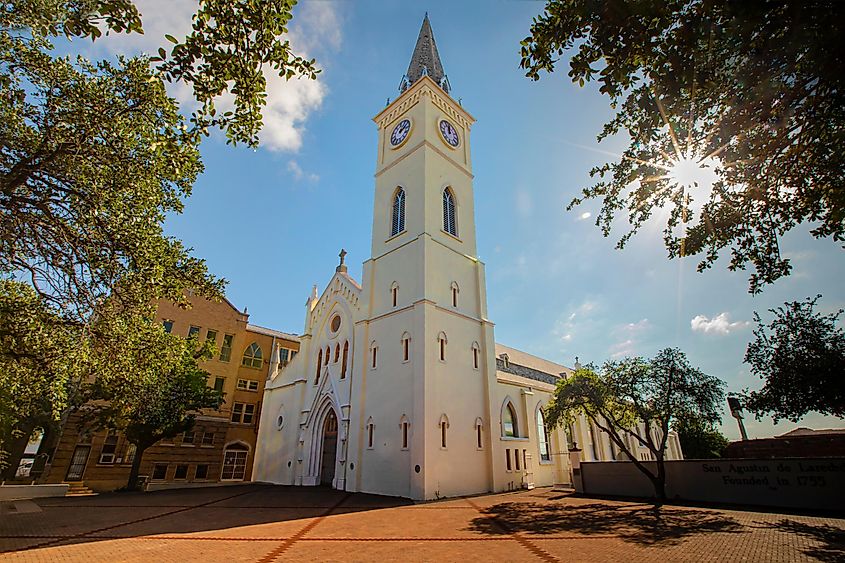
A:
(404, 365)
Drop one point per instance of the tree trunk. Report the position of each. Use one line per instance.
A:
(132, 484)
(660, 481)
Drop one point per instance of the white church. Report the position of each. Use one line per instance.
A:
(400, 387)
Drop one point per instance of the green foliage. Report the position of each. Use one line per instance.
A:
(756, 85)
(653, 391)
(700, 439)
(800, 356)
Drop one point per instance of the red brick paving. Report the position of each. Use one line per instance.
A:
(263, 523)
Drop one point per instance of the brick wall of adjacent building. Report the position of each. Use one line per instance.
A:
(184, 459)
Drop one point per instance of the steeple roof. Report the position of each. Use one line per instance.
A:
(425, 60)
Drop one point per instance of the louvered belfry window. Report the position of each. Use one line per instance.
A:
(398, 224)
(449, 224)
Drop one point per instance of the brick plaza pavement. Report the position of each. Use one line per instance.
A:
(263, 523)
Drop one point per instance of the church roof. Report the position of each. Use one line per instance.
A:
(527, 365)
(425, 60)
(271, 332)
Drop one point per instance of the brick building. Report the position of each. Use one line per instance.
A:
(222, 444)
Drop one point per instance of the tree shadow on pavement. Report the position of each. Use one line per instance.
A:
(830, 541)
(644, 524)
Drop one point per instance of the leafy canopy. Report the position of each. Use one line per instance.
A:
(752, 89)
(699, 439)
(800, 356)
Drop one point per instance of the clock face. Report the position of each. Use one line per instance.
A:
(400, 133)
(450, 134)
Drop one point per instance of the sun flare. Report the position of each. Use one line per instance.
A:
(689, 171)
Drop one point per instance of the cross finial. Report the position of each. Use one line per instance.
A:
(341, 267)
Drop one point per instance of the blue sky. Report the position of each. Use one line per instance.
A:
(272, 221)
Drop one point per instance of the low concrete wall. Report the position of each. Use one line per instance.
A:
(17, 492)
(817, 483)
(166, 486)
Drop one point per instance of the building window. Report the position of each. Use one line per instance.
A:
(441, 340)
(226, 347)
(109, 448)
(406, 347)
(397, 225)
(394, 294)
(374, 355)
(253, 356)
(181, 471)
(449, 223)
(292, 355)
(193, 331)
(201, 472)
(168, 325)
(159, 471)
(327, 357)
(509, 424)
(516, 459)
(336, 352)
(478, 443)
(248, 385)
(319, 364)
(188, 438)
(284, 356)
(345, 357)
(208, 438)
(475, 353)
(405, 426)
(444, 424)
(131, 450)
(211, 336)
(234, 463)
(505, 361)
(219, 382)
(543, 437)
(243, 413)
(455, 291)
(508, 459)
(370, 433)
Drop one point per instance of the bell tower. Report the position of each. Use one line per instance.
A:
(428, 345)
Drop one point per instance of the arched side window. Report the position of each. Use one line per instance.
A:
(397, 224)
(405, 427)
(345, 359)
(328, 355)
(510, 426)
(479, 444)
(253, 357)
(373, 355)
(444, 425)
(442, 341)
(542, 436)
(455, 291)
(371, 429)
(319, 364)
(476, 354)
(406, 347)
(336, 352)
(450, 224)
(394, 293)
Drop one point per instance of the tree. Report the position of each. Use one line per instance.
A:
(163, 401)
(700, 439)
(93, 156)
(800, 356)
(623, 393)
(754, 90)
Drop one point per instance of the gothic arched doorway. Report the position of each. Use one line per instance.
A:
(329, 458)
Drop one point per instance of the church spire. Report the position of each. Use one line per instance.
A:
(425, 60)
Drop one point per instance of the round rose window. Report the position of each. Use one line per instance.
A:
(335, 323)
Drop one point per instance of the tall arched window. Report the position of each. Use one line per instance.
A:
(345, 357)
(253, 356)
(449, 222)
(397, 225)
(442, 341)
(328, 354)
(455, 291)
(543, 437)
(319, 363)
(509, 424)
(406, 347)
(394, 293)
(336, 352)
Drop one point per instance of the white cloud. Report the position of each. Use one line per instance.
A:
(566, 326)
(585, 215)
(628, 336)
(315, 31)
(298, 173)
(720, 324)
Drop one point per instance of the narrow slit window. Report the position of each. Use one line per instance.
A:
(475, 358)
(344, 360)
(478, 436)
(370, 431)
(516, 459)
(508, 458)
(319, 364)
(394, 292)
(442, 349)
(443, 434)
(374, 356)
(406, 351)
(404, 434)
